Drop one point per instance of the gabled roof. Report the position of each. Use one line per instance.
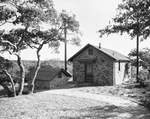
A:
(113, 54)
(47, 73)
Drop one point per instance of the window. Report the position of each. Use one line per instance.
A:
(90, 51)
(60, 75)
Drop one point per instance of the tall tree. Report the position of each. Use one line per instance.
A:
(69, 26)
(133, 18)
(4, 66)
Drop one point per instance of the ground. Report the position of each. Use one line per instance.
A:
(69, 104)
(88, 102)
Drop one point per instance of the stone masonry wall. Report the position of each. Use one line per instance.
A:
(102, 67)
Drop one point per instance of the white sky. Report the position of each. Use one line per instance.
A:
(92, 16)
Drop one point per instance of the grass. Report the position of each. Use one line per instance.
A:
(47, 106)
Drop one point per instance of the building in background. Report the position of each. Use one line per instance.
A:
(49, 78)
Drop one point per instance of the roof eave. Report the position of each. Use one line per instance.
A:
(71, 59)
(66, 73)
(120, 60)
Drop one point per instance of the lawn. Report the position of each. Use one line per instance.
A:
(48, 106)
(44, 105)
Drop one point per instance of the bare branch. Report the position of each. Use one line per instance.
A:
(12, 53)
(3, 23)
(3, 41)
(32, 46)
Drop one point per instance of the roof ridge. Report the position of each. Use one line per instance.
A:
(112, 53)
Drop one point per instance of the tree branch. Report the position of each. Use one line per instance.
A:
(32, 46)
(7, 42)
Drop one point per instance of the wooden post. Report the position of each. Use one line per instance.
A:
(137, 48)
(137, 62)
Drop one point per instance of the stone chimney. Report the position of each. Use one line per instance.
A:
(99, 46)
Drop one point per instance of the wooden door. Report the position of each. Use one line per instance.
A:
(88, 73)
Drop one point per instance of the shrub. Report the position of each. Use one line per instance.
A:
(143, 76)
(146, 102)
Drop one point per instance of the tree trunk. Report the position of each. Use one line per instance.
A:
(32, 85)
(12, 83)
(22, 75)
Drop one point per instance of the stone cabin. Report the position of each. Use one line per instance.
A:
(49, 78)
(100, 66)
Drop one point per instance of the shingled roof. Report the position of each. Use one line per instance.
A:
(113, 54)
(47, 73)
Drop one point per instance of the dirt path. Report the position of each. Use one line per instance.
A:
(126, 109)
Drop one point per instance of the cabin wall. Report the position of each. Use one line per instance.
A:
(122, 72)
(102, 67)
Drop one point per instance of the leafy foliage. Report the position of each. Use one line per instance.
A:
(144, 58)
(5, 77)
(5, 63)
(26, 12)
(27, 15)
(69, 22)
(133, 18)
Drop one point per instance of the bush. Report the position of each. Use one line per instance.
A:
(143, 76)
(146, 102)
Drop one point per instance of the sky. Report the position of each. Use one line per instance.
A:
(92, 15)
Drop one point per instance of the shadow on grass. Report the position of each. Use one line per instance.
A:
(108, 112)
(2, 93)
(70, 85)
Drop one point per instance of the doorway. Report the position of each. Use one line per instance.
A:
(88, 72)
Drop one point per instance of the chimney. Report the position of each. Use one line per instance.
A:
(99, 46)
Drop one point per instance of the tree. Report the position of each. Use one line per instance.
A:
(41, 38)
(26, 15)
(69, 26)
(133, 18)
(53, 36)
(13, 42)
(4, 66)
(29, 16)
(144, 58)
